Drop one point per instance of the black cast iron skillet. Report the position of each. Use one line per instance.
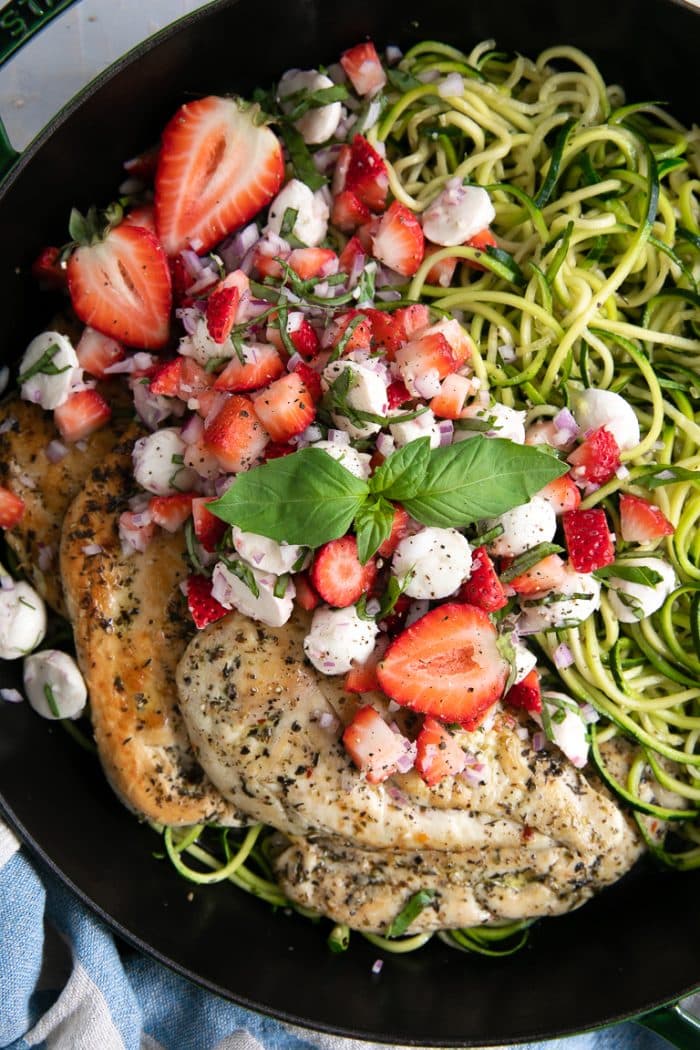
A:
(627, 952)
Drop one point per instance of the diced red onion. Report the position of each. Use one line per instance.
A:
(4, 378)
(377, 966)
(217, 403)
(336, 73)
(622, 473)
(131, 186)
(234, 249)
(7, 424)
(193, 264)
(345, 124)
(312, 433)
(373, 111)
(141, 518)
(192, 429)
(27, 480)
(428, 76)
(428, 384)
(453, 84)
(385, 275)
(11, 696)
(45, 556)
(328, 721)
(223, 483)
(138, 362)
(6, 583)
(539, 741)
(385, 445)
(565, 421)
(338, 437)
(272, 244)
(506, 352)
(189, 315)
(152, 409)
(388, 296)
(373, 606)
(294, 361)
(589, 714)
(55, 451)
(562, 656)
(90, 549)
(324, 159)
(416, 610)
(473, 774)
(446, 428)
(393, 54)
(208, 278)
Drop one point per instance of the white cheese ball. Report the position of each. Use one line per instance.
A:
(357, 463)
(440, 560)
(569, 733)
(635, 601)
(456, 214)
(59, 672)
(368, 394)
(523, 527)
(22, 619)
(311, 223)
(234, 593)
(316, 125)
(505, 423)
(576, 598)
(338, 638)
(424, 425)
(46, 389)
(525, 661)
(159, 463)
(266, 554)
(602, 408)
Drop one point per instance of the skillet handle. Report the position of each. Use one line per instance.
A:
(676, 1025)
(19, 21)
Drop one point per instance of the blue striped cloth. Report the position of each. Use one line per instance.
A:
(64, 986)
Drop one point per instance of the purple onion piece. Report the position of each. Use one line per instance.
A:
(11, 696)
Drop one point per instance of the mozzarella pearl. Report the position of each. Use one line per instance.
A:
(266, 554)
(367, 394)
(58, 672)
(576, 598)
(318, 124)
(45, 389)
(234, 593)
(311, 223)
(355, 462)
(439, 558)
(635, 601)
(338, 638)
(22, 620)
(457, 214)
(602, 408)
(523, 527)
(159, 463)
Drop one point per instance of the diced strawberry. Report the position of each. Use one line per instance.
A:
(204, 609)
(588, 539)
(144, 165)
(266, 265)
(11, 508)
(459, 341)
(446, 664)
(400, 527)
(136, 530)
(222, 305)
(483, 587)
(367, 176)
(312, 380)
(392, 328)
(218, 166)
(454, 391)
(373, 746)
(96, 352)
(426, 353)
(365, 234)
(349, 211)
(144, 216)
(48, 270)
(482, 241)
(180, 377)
(363, 677)
(208, 529)
(171, 512)
(262, 365)
(84, 412)
(364, 68)
(397, 394)
(180, 277)
(527, 694)
(562, 493)
(308, 263)
(352, 253)
(361, 336)
(121, 286)
(596, 460)
(438, 753)
(546, 575)
(642, 521)
(235, 435)
(305, 339)
(166, 380)
(209, 402)
(286, 407)
(399, 241)
(442, 271)
(306, 596)
(337, 574)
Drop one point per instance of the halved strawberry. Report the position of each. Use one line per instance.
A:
(399, 241)
(308, 263)
(171, 512)
(597, 458)
(286, 407)
(84, 412)
(144, 165)
(235, 435)
(262, 365)
(352, 253)
(400, 526)
(446, 664)
(367, 176)
(96, 352)
(217, 168)
(454, 391)
(349, 211)
(48, 270)
(527, 694)
(392, 328)
(373, 746)
(562, 493)
(482, 241)
(483, 587)
(222, 305)
(144, 216)
(642, 521)
(204, 609)
(207, 527)
(337, 574)
(397, 394)
(442, 271)
(11, 508)
(121, 286)
(363, 677)
(363, 68)
(306, 596)
(438, 753)
(546, 575)
(588, 539)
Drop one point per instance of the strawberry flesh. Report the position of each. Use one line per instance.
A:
(337, 574)
(438, 753)
(526, 695)
(11, 508)
(483, 587)
(204, 609)
(399, 241)
(597, 458)
(588, 539)
(642, 521)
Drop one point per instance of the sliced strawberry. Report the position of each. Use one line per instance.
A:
(48, 270)
(562, 493)
(373, 746)
(363, 68)
(181, 279)
(391, 329)
(397, 394)
(527, 694)
(400, 528)
(308, 263)
(144, 216)
(352, 254)
(642, 521)
(208, 529)
(596, 460)
(546, 575)
(483, 587)
(262, 365)
(235, 435)
(426, 353)
(442, 271)
(286, 407)
(438, 753)
(84, 412)
(454, 391)
(482, 241)
(144, 165)
(363, 677)
(588, 539)
(361, 335)
(222, 306)
(218, 166)
(171, 512)
(349, 211)
(306, 596)
(337, 574)
(204, 609)
(446, 664)
(312, 380)
(365, 234)
(367, 176)
(121, 287)
(96, 352)
(11, 508)
(399, 242)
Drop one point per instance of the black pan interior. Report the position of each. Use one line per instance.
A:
(629, 950)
